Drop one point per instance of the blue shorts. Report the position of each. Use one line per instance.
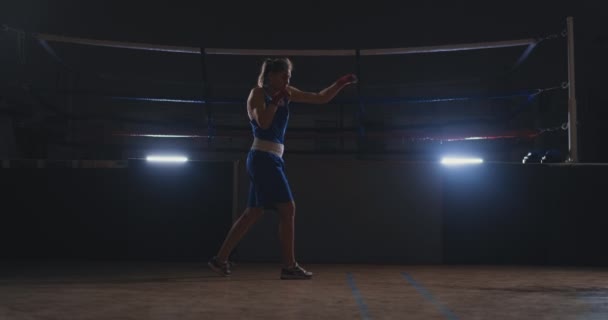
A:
(269, 184)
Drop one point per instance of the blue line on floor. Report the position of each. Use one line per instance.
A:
(425, 293)
(358, 297)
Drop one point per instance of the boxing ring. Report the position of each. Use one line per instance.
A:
(362, 102)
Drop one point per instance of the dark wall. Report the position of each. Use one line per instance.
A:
(348, 211)
(142, 212)
(517, 214)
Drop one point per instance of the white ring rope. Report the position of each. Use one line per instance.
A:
(263, 52)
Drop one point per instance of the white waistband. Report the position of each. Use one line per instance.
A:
(268, 146)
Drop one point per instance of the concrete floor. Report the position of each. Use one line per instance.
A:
(118, 290)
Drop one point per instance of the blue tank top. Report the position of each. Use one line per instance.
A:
(276, 131)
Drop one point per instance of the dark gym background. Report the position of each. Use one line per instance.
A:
(373, 200)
